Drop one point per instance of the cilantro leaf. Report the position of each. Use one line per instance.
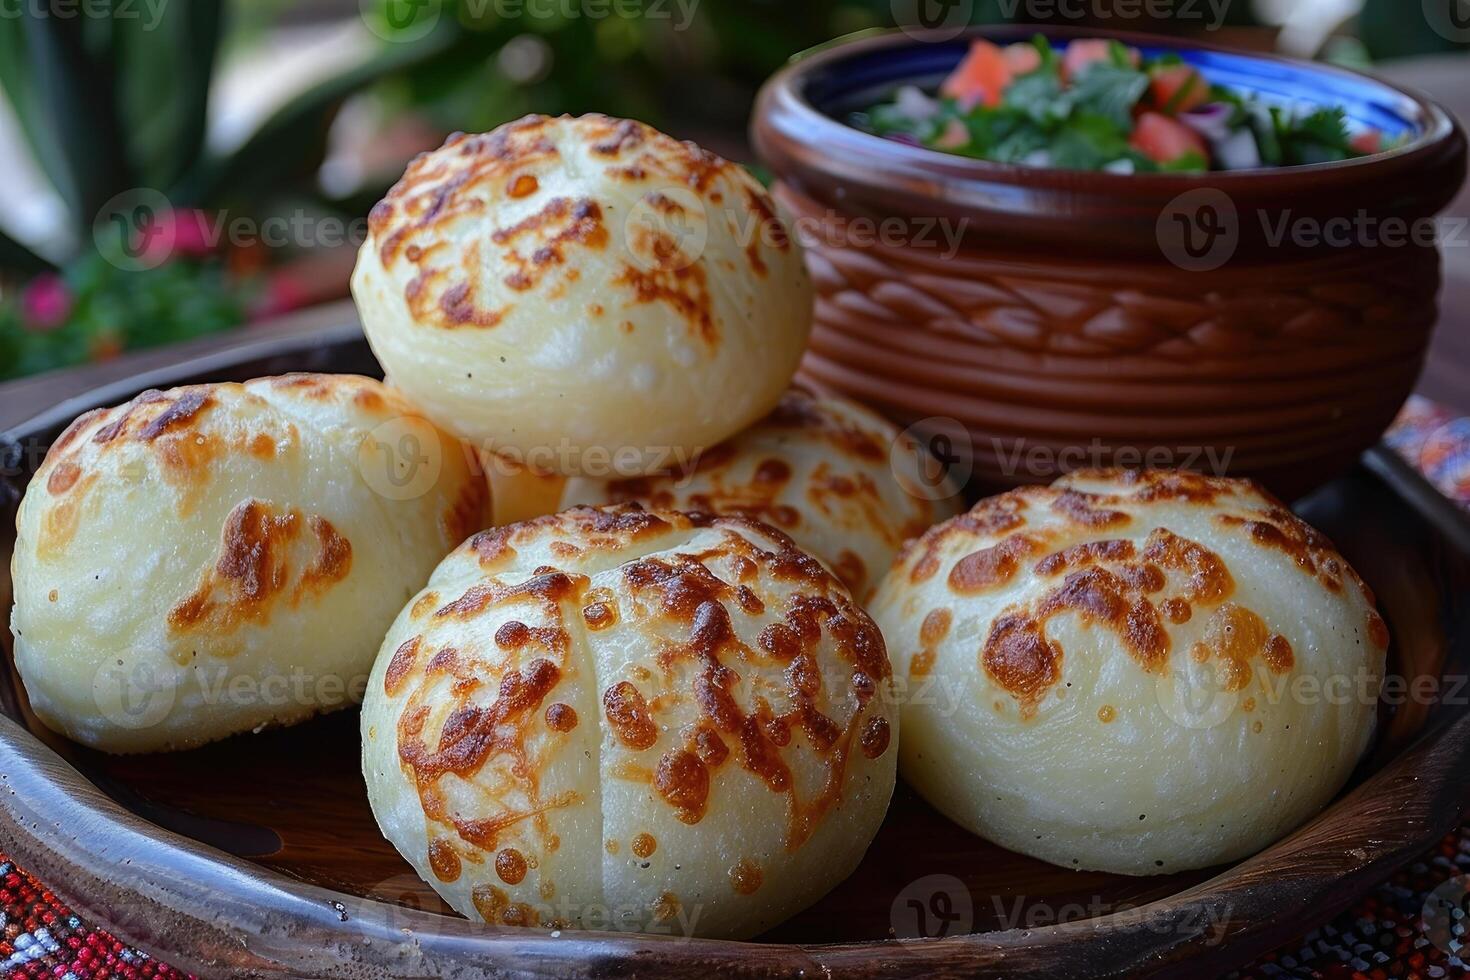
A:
(1110, 91)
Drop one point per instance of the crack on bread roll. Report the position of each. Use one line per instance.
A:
(621, 697)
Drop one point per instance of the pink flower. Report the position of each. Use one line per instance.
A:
(182, 232)
(45, 302)
(282, 294)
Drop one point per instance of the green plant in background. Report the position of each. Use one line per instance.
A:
(94, 310)
(113, 104)
(109, 104)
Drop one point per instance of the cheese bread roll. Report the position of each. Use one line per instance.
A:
(587, 288)
(612, 718)
(212, 559)
(1136, 672)
(838, 478)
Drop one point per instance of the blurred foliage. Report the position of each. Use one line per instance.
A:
(94, 310)
(113, 103)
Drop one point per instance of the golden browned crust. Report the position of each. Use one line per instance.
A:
(470, 173)
(1131, 591)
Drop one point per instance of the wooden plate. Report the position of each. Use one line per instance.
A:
(259, 857)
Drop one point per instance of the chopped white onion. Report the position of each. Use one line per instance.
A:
(1210, 121)
(912, 102)
(1238, 151)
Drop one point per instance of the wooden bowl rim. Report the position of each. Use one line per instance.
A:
(203, 908)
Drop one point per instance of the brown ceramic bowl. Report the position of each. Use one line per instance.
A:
(1066, 318)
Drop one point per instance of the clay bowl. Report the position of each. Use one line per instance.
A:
(1053, 319)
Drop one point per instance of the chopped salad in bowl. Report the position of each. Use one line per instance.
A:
(1102, 105)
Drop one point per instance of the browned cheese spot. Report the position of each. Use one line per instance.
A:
(935, 626)
(1087, 510)
(666, 908)
(746, 877)
(627, 713)
(1308, 548)
(524, 185)
(684, 290)
(251, 571)
(1019, 658)
(496, 908)
(472, 732)
(400, 664)
(990, 517)
(443, 860)
(561, 717)
(1233, 637)
(510, 866)
(1178, 610)
(599, 615)
(874, 740)
(1377, 629)
(1104, 598)
(683, 780)
(990, 568)
(63, 477)
(1209, 580)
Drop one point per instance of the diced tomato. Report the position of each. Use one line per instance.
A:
(1178, 88)
(1164, 140)
(1085, 51)
(980, 78)
(1368, 141)
(1022, 57)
